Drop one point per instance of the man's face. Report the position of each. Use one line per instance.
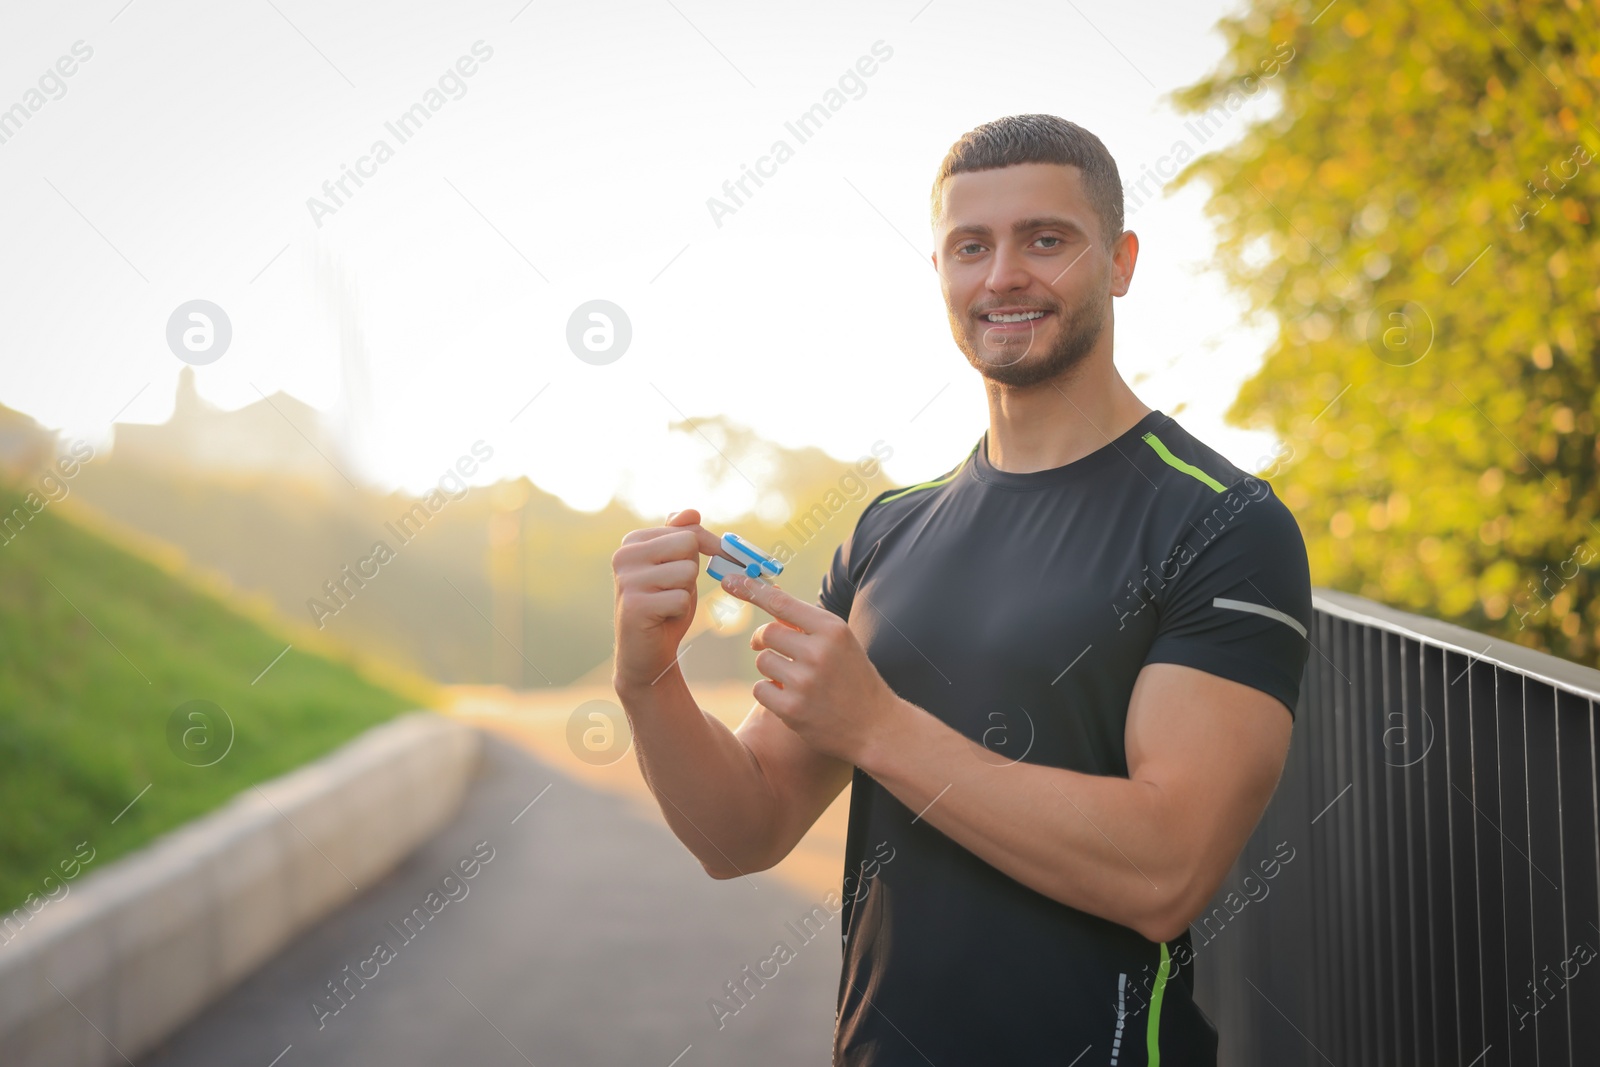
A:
(1024, 273)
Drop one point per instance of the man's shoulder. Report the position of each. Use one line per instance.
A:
(1181, 461)
(1205, 487)
(898, 501)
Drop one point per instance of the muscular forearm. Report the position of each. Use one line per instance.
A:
(1097, 843)
(709, 786)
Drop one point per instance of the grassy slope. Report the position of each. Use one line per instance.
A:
(98, 646)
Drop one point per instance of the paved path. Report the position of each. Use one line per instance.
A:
(591, 938)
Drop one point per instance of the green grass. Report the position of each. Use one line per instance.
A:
(98, 646)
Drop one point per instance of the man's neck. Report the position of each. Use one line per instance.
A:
(1057, 423)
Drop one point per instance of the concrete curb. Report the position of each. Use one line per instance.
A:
(139, 947)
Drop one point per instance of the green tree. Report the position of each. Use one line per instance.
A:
(1417, 218)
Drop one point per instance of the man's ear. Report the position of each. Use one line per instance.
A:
(1124, 254)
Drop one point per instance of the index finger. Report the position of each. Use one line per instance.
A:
(708, 543)
(807, 618)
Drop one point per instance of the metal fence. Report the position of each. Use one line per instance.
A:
(1441, 902)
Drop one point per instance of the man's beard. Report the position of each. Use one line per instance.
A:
(1027, 367)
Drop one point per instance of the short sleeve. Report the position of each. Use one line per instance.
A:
(838, 590)
(1240, 606)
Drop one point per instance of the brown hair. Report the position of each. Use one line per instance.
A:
(1017, 139)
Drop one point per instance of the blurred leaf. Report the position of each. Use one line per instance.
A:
(1437, 162)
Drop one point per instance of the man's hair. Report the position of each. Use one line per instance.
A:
(1039, 139)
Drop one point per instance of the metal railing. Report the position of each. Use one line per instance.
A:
(1441, 808)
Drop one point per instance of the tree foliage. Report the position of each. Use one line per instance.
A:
(1418, 219)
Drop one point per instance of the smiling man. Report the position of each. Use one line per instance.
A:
(1061, 677)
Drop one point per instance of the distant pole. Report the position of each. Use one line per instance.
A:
(506, 663)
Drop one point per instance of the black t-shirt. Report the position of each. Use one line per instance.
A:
(1019, 608)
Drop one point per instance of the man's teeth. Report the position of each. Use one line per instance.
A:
(1022, 317)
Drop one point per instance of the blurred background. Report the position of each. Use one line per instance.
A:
(343, 344)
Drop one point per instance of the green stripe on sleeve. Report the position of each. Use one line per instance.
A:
(1173, 461)
(935, 482)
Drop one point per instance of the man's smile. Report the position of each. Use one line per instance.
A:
(1003, 323)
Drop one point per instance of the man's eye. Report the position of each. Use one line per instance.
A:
(1057, 240)
(966, 248)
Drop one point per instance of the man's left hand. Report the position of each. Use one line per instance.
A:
(819, 681)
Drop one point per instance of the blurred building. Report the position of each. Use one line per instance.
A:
(278, 434)
(25, 446)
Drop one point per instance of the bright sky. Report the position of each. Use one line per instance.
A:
(573, 164)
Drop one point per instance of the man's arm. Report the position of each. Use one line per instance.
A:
(738, 800)
(1147, 851)
(1144, 851)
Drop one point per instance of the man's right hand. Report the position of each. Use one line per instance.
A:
(656, 572)
(738, 799)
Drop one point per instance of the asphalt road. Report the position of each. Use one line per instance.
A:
(591, 937)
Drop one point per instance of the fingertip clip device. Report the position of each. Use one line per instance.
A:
(752, 562)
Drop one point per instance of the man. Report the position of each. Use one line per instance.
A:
(1061, 677)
